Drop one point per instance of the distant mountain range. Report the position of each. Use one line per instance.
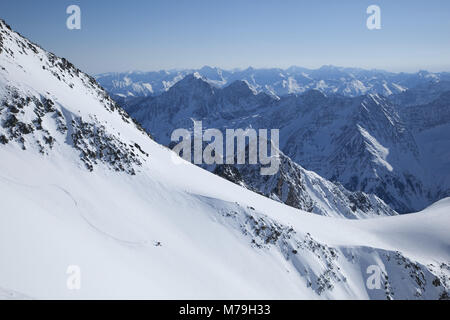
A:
(390, 147)
(275, 82)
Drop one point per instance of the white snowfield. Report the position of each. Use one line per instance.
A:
(157, 227)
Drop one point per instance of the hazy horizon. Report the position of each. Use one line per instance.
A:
(178, 34)
(269, 68)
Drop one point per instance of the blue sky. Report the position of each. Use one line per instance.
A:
(165, 34)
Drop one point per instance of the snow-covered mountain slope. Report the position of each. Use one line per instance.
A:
(82, 185)
(364, 143)
(275, 82)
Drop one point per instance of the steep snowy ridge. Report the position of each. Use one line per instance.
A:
(169, 229)
(36, 118)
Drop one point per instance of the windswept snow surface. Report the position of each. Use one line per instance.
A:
(140, 222)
